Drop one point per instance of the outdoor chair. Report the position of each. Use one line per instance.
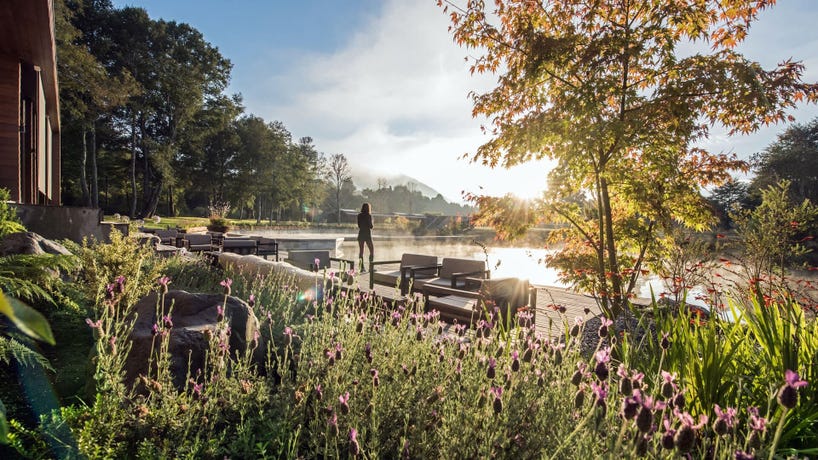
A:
(242, 246)
(197, 242)
(495, 299)
(167, 237)
(452, 272)
(400, 277)
(307, 258)
(266, 247)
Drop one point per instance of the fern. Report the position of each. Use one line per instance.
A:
(10, 349)
(32, 277)
(9, 222)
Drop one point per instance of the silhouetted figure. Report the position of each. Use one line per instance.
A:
(365, 235)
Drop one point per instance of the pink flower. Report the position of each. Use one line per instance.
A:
(164, 281)
(794, 380)
(93, 324)
(226, 283)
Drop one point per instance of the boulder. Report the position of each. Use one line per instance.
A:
(29, 243)
(306, 280)
(194, 318)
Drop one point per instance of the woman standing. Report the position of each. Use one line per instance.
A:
(365, 235)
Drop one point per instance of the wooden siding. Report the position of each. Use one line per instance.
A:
(10, 125)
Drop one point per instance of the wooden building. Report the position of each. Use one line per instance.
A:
(29, 102)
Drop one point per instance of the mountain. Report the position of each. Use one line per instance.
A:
(369, 180)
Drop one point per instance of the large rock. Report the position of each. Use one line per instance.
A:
(195, 318)
(306, 281)
(29, 243)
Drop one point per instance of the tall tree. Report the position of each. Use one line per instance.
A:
(602, 88)
(792, 157)
(337, 174)
(87, 90)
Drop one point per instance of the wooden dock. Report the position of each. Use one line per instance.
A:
(555, 305)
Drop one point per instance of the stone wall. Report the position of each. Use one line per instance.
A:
(65, 222)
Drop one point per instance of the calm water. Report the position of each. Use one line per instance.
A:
(520, 262)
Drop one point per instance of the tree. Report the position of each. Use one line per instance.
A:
(600, 87)
(792, 157)
(337, 174)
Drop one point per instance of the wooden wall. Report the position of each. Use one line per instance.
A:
(10, 125)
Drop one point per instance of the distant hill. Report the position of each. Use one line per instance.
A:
(363, 180)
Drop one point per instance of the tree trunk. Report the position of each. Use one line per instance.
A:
(86, 196)
(94, 174)
(133, 166)
(613, 264)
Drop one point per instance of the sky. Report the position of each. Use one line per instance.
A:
(382, 82)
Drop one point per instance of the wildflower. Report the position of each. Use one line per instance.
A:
(226, 283)
(338, 350)
(288, 335)
(498, 403)
(629, 408)
(600, 390)
(154, 329)
(120, 284)
(579, 399)
(686, 435)
(375, 380)
(741, 455)
(576, 327)
(669, 434)
(515, 362)
(679, 400)
(166, 320)
(197, 390)
(93, 324)
(665, 342)
(319, 392)
(251, 301)
(332, 422)
(344, 399)
(725, 420)
(576, 377)
(602, 358)
(164, 281)
(490, 372)
(603, 328)
(112, 344)
(788, 394)
(368, 352)
(219, 312)
(668, 386)
(419, 333)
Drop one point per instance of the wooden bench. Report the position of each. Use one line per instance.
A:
(307, 259)
(242, 246)
(400, 277)
(197, 242)
(266, 247)
(452, 272)
(505, 296)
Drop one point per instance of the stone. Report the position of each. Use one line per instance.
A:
(29, 243)
(307, 281)
(195, 317)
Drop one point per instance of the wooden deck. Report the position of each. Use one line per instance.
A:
(555, 305)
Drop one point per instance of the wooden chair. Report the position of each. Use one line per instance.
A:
(400, 277)
(497, 299)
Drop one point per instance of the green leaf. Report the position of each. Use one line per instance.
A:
(4, 427)
(27, 319)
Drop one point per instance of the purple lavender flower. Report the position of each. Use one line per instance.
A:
(490, 371)
(354, 448)
(120, 284)
(164, 281)
(219, 312)
(498, 403)
(93, 324)
(344, 400)
(576, 327)
(603, 328)
(226, 283)
(375, 379)
(288, 335)
(665, 342)
(725, 420)
(515, 361)
(788, 394)
(668, 384)
(252, 301)
(167, 321)
(686, 435)
(602, 356)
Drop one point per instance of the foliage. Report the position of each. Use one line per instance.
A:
(603, 89)
(9, 222)
(103, 263)
(346, 377)
(771, 238)
(792, 158)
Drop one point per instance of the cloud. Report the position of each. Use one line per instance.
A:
(393, 97)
